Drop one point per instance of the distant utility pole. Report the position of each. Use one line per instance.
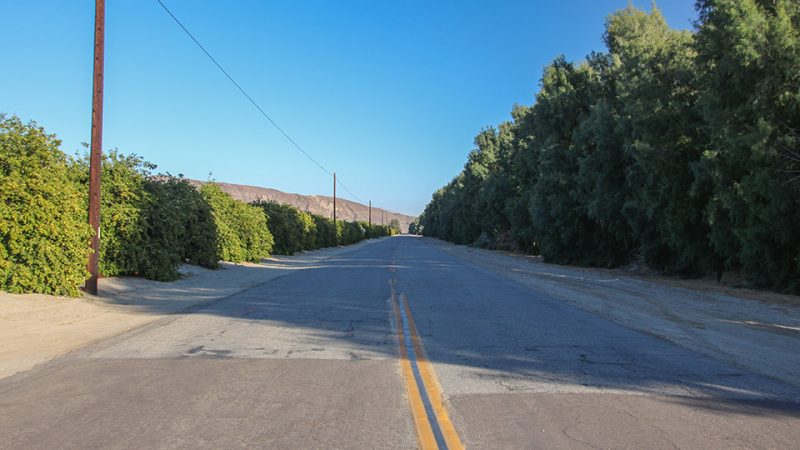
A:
(370, 213)
(381, 217)
(95, 157)
(335, 228)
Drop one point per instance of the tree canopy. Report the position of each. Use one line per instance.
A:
(678, 147)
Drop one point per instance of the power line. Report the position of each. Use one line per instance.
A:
(349, 191)
(263, 113)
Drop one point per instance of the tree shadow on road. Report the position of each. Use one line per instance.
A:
(486, 331)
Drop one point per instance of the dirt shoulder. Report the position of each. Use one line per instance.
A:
(37, 328)
(754, 330)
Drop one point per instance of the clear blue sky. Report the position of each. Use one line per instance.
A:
(387, 94)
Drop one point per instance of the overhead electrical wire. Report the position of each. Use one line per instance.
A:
(258, 107)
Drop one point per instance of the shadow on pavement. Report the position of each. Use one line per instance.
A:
(492, 333)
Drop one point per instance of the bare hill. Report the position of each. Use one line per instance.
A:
(315, 204)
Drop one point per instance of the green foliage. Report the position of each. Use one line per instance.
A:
(242, 232)
(394, 225)
(663, 140)
(199, 230)
(352, 232)
(415, 227)
(749, 58)
(308, 230)
(339, 226)
(123, 212)
(44, 235)
(294, 230)
(376, 231)
(149, 224)
(178, 228)
(285, 227)
(559, 206)
(681, 147)
(326, 231)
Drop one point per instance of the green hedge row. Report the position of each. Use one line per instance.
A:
(242, 232)
(296, 230)
(150, 224)
(43, 227)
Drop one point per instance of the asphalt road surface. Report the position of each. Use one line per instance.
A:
(396, 344)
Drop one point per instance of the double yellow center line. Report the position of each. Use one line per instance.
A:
(434, 429)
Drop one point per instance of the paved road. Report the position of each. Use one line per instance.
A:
(311, 360)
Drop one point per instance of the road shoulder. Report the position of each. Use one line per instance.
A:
(759, 336)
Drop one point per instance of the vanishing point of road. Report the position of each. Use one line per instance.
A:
(396, 344)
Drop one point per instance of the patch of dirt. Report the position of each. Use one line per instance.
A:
(732, 283)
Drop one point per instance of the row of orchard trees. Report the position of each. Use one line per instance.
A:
(295, 230)
(680, 147)
(150, 224)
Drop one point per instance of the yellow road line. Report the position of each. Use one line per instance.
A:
(431, 420)
(425, 436)
(432, 384)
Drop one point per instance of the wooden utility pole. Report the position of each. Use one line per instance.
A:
(95, 157)
(381, 217)
(335, 227)
(370, 213)
(334, 197)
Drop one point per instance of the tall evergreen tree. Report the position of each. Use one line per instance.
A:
(683, 147)
(564, 230)
(749, 55)
(664, 139)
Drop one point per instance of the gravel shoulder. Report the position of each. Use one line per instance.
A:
(754, 330)
(37, 328)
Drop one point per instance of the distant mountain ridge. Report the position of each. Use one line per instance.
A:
(315, 204)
